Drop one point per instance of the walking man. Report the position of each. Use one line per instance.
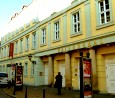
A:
(58, 83)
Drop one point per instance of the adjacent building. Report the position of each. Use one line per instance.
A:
(54, 43)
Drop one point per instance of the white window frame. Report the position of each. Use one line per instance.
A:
(104, 12)
(5, 51)
(33, 69)
(27, 43)
(26, 69)
(43, 40)
(8, 50)
(56, 30)
(21, 45)
(2, 54)
(76, 22)
(16, 47)
(34, 40)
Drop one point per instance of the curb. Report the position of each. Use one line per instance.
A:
(7, 94)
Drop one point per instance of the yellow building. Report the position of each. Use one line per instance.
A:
(86, 26)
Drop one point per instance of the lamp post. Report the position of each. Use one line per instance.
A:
(30, 56)
(15, 80)
(82, 73)
(81, 76)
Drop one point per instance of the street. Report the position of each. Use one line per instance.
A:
(3, 95)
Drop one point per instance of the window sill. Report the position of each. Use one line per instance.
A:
(105, 25)
(41, 45)
(16, 53)
(32, 76)
(20, 52)
(75, 34)
(57, 40)
(25, 76)
(33, 48)
(26, 50)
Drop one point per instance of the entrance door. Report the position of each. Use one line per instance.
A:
(110, 73)
(62, 70)
(46, 73)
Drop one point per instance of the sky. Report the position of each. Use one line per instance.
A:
(39, 8)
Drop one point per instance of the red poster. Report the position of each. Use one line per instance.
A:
(11, 50)
(87, 68)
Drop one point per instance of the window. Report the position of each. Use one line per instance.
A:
(4, 51)
(3, 68)
(33, 70)
(26, 69)
(43, 36)
(34, 40)
(21, 45)
(56, 30)
(104, 11)
(27, 43)
(16, 47)
(8, 51)
(76, 23)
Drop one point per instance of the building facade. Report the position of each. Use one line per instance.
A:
(55, 44)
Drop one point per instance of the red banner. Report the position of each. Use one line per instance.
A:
(87, 67)
(11, 50)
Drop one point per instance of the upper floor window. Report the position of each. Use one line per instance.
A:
(4, 51)
(56, 30)
(21, 45)
(8, 51)
(26, 69)
(34, 40)
(27, 43)
(16, 47)
(33, 70)
(76, 22)
(43, 36)
(104, 11)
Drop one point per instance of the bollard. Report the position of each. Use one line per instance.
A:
(14, 90)
(43, 93)
(26, 92)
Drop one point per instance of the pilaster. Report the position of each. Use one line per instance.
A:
(68, 79)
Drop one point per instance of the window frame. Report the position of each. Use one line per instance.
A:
(33, 69)
(43, 36)
(34, 40)
(26, 69)
(57, 30)
(16, 47)
(72, 33)
(21, 45)
(27, 43)
(111, 22)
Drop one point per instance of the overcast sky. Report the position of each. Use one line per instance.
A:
(42, 8)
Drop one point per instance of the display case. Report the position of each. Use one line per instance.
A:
(19, 78)
(87, 78)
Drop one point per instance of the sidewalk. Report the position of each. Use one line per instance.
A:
(37, 92)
